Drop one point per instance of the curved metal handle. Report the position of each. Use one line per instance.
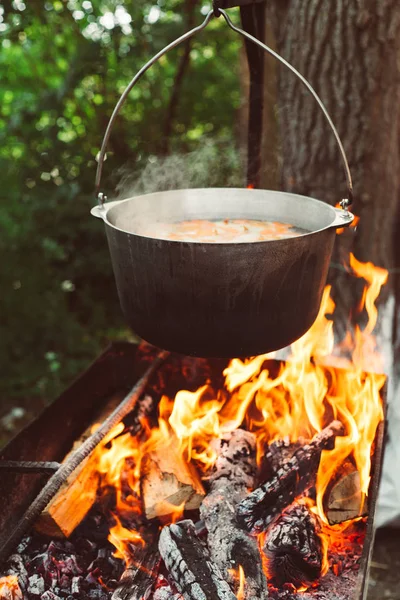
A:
(100, 196)
(345, 203)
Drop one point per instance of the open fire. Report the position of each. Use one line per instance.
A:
(252, 488)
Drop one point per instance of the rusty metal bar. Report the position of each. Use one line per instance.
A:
(29, 466)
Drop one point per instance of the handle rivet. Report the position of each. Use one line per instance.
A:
(101, 198)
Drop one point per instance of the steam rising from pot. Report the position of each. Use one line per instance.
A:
(212, 164)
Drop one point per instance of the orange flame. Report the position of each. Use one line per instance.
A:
(9, 588)
(240, 580)
(355, 399)
(173, 512)
(123, 451)
(122, 537)
(376, 278)
(111, 465)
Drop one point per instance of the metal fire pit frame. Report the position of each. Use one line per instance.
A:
(377, 462)
(50, 436)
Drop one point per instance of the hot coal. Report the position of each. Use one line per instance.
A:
(261, 507)
(164, 590)
(79, 568)
(293, 548)
(329, 588)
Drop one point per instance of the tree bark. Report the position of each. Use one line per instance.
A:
(349, 51)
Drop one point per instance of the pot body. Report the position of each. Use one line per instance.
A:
(220, 299)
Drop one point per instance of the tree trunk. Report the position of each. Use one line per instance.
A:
(349, 51)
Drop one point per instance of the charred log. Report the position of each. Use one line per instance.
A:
(138, 580)
(276, 455)
(189, 565)
(259, 509)
(229, 545)
(293, 548)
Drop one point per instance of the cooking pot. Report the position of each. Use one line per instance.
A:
(220, 299)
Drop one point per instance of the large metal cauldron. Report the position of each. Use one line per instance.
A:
(220, 299)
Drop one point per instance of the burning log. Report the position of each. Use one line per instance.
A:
(260, 507)
(169, 482)
(77, 495)
(229, 545)
(345, 498)
(189, 564)
(138, 580)
(293, 548)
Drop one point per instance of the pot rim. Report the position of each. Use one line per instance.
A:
(340, 217)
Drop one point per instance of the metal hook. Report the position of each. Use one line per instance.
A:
(101, 199)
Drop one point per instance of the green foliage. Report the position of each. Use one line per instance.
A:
(64, 64)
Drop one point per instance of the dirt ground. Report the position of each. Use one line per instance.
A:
(384, 582)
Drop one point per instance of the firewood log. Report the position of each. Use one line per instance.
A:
(293, 548)
(230, 546)
(77, 495)
(345, 499)
(276, 455)
(189, 565)
(168, 481)
(260, 507)
(138, 579)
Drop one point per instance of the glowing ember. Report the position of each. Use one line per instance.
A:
(9, 588)
(240, 580)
